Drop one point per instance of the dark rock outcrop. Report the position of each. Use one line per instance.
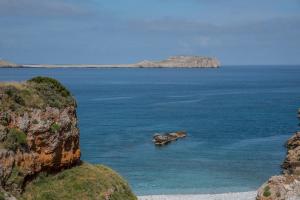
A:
(162, 139)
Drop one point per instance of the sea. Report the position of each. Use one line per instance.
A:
(237, 118)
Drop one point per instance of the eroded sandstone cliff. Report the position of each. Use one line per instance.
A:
(38, 130)
(39, 135)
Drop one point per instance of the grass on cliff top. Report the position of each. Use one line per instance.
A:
(38, 92)
(85, 181)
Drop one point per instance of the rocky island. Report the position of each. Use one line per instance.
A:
(182, 61)
(5, 63)
(171, 62)
(39, 147)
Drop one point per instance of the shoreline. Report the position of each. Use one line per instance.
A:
(251, 195)
(102, 66)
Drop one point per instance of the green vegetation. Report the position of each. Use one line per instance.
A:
(4, 119)
(38, 92)
(267, 192)
(52, 92)
(85, 181)
(16, 177)
(15, 139)
(52, 83)
(2, 196)
(54, 128)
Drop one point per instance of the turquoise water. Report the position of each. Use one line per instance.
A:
(237, 117)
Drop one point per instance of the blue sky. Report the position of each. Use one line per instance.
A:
(124, 31)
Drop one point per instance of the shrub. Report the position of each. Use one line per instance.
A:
(15, 139)
(14, 93)
(55, 128)
(39, 92)
(16, 177)
(51, 91)
(52, 83)
(35, 121)
(4, 119)
(2, 197)
(267, 192)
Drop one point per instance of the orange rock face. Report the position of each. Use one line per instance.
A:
(48, 140)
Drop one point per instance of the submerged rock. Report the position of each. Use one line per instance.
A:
(162, 139)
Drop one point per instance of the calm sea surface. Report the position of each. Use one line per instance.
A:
(237, 117)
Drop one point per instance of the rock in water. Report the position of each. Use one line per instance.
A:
(162, 139)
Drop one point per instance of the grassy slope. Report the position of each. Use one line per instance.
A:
(81, 182)
(38, 92)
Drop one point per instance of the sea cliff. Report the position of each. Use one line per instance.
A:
(39, 147)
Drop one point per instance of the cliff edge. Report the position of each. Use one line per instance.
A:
(39, 147)
(287, 185)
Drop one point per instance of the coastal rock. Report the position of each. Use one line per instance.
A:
(291, 164)
(162, 139)
(287, 185)
(35, 138)
(39, 147)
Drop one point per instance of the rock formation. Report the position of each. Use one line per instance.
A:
(38, 132)
(162, 139)
(4, 63)
(287, 185)
(182, 61)
(171, 62)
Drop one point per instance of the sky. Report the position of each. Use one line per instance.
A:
(237, 32)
